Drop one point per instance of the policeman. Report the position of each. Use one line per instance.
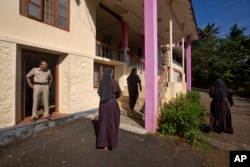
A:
(42, 81)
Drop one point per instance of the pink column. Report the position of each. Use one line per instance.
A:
(124, 34)
(188, 62)
(150, 25)
(124, 44)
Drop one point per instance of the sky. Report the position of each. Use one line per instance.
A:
(224, 13)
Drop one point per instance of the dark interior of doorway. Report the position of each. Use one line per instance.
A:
(31, 59)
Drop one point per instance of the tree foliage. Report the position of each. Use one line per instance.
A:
(227, 58)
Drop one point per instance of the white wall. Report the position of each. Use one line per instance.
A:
(80, 38)
(76, 92)
(76, 48)
(7, 84)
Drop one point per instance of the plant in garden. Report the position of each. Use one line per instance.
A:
(183, 116)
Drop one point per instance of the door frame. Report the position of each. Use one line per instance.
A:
(23, 78)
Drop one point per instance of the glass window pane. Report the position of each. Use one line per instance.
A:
(63, 2)
(36, 2)
(62, 11)
(34, 10)
(62, 22)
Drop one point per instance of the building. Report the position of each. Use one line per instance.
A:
(78, 38)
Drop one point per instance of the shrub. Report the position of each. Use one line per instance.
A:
(193, 96)
(183, 116)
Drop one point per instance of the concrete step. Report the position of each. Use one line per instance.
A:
(123, 112)
(138, 106)
(138, 110)
(125, 99)
(141, 94)
(126, 87)
(135, 114)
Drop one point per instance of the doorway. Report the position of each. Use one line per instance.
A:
(31, 59)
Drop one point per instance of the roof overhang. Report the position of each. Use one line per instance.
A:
(132, 11)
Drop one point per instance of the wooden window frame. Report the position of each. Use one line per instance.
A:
(57, 14)
(40, 8)
(24, 11)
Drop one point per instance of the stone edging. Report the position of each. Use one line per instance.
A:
(21, 131)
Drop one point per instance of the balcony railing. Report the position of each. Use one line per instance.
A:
(136, 61)
(133, 60)
(107, 51)
(162, 84)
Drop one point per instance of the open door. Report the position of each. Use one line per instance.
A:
(31, 59)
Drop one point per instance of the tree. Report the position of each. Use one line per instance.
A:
(204, 55)
(227, 58)
(209, 31)
(236, 32)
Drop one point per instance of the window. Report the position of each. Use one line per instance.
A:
(97, 76)
(52, 12)
(62, 13)
(35, 9)
(98, 70)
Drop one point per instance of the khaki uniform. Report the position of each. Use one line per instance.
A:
(41, 81)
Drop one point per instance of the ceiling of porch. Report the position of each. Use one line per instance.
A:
(111, 12)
